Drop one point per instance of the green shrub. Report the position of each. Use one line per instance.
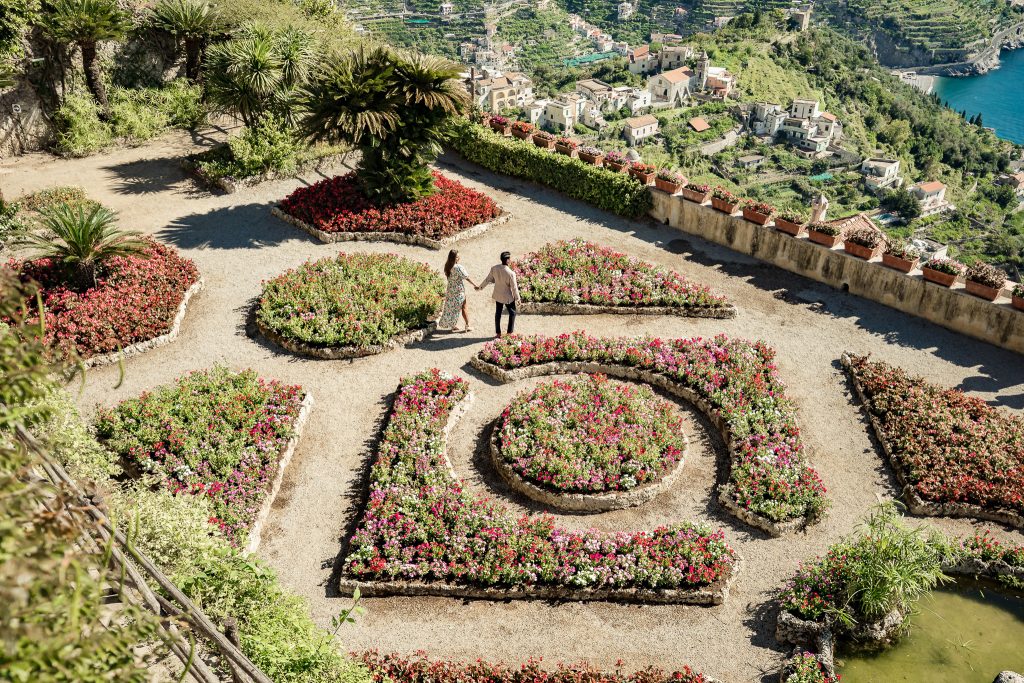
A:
(79, 129)
(267, 147)
(615, 192)
(133, 118)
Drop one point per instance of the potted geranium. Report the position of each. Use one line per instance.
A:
(669, 181)
(942, 271)
(757, 212)
(985, 280)
(642, 172)
(544, 139)
(825, 234)
(1018, 297)
(901, 255)
(790, 222)
(615, 161)
(591, 155)
(864, 243)
(566, 146)
(500, 125)
(696, 192)
(723, 200)
(523, 130)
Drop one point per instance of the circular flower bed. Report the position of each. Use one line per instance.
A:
(590, 435)
(352, 301)
(136, 299)
(337, 205)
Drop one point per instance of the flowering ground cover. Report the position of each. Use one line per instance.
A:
(582, 272)
(419, 524)
(396, 668)
(337, 205)
(948, 446)
(136, 299)
(351, 300)
(738, 379)
(213, 433)
(590, 435)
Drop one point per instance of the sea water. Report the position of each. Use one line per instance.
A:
(998, 95)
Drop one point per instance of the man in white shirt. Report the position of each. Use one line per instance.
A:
(506, 292)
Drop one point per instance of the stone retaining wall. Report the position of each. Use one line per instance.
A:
(342, 352)
(995, 322)
(397, 237)
(726, 310)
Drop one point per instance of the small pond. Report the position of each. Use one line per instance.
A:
(962, 633)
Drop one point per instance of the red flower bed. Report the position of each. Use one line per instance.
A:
(949, 446)
(338, 205)
(136, 300)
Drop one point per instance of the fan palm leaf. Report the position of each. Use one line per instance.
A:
(191, 21)
(86, 23)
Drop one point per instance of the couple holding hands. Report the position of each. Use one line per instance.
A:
(505, 295)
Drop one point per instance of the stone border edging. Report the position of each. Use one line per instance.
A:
(915, 503)
(343, 352)
(774, 529)
(256, 532)
(726, 310)
(143, 346)
(397, 237)
(583, 502)
(716, 594)
(231, 184)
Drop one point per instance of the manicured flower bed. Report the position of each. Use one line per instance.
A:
(214, 433)
(948, 447)
(737, 379)
(590, 435)
(337, 205)
(580, 272)
(350, 300)
(136, 299)
(420, 526)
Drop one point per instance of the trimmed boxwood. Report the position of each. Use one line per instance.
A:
(607, 190)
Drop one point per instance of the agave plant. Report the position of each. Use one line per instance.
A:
(86, 23)
(394, 106)
(83, 238)
(192, 22)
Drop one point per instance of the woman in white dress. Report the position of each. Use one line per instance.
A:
(455, 297)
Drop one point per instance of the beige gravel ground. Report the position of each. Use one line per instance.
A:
(237, 244)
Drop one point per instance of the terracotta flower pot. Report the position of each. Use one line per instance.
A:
(984, 291)
(1018, 302)
(542, 143)
(522, 134)
(860, 251)
(938, 277)
(695, 196)
(614, 165)
(565, 149)
(724, 206)
(667, 185)
(645, 178)
(595, 159)
(900, 264)
(823, 239)
(755, 216)
(501, 128)
(788, 227)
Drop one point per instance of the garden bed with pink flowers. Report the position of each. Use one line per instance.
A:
(420, 533)
(335, 210)
(734, 383)
(583, 277)
(222, 435)
(954, 455)
(589, 444)
(138, 303)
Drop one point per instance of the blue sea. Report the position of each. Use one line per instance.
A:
(998, 95)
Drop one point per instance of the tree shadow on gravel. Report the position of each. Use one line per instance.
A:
(760, 619)
(246, 226)
(151, 176)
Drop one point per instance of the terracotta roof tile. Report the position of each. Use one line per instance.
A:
(699, 124)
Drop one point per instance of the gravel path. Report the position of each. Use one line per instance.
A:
(237, 244)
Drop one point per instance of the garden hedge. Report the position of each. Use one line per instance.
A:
(616, 192)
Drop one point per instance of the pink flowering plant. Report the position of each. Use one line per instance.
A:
(338, 205)
(582, 272)
(356, 300)
(136, 299)
(739, 379)
(214, 433)
(805, 667)
(420, 525)
(982, 545)
(590, 435)
(950, 447)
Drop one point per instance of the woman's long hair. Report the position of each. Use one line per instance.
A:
(453, 256)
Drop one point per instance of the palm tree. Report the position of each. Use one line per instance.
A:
(84, 237)
(192, 22)
(86, 23)
(394, 107)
